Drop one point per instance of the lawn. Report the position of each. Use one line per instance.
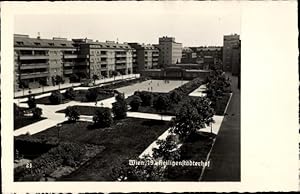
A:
(124, 140)
(83, 110)
(23, 121)
(195, 149)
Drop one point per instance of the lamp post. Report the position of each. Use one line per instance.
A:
(59, 125)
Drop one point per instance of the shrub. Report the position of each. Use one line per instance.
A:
(102, 117)
(70, 93)
(37, 113)
(31, 102)
(135, 103)
(55, 97)
(72, 113)
(91, 95)
(146, 97)
(74, 78)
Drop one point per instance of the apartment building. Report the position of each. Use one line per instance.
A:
(39, 61)
(170, 52)
(103, 58)
(230, 42)
(145, 57)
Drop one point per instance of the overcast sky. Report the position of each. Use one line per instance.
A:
(191, 23)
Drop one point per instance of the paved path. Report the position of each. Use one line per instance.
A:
(225, 155)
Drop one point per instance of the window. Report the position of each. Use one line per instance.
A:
(37, 43)
(51, 44)
(20, 43)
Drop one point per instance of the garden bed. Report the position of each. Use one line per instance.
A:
(125, 139)
(22, 121)
(221, 104)
(196, 149)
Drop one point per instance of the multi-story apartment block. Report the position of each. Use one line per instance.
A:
(145, 57)
(170, 52)
(229, 58)
(103, 58)
(38, 61)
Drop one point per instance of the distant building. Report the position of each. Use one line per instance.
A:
(145, 57)
(231, 53)
(188, 56)
(170, 52)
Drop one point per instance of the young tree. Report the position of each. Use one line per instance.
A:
(102, 117)
(135, 103)
(72, 113)
(31, 102)
(161, 104)
(37, 113)
(120, 107)
(55, 97)
(146, 97)
(115, 73)
(167, 149)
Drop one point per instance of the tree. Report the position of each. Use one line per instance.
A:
(55, 97)
(102, 117)
(119, 108)
(135, 103)
(95, 77)
(31, 102)
(161, 104)
(70, 93)
(58, 79)
(72, 113)
(175, 96)
(115, 73)
(146, 97)
(37, 113)
(186, 121)
(167, 149)
(91, 95)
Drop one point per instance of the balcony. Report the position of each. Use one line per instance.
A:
(68, 64)
(30, 57)
(120, 61)
(70, 56)
(34, 75)
(34, 66)
(121, 55)
(155, 54)
(121, 66)
(82, 64)
(68, 71)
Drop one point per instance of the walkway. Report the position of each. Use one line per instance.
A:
(225, 155)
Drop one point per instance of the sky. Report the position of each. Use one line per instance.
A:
(191, 23)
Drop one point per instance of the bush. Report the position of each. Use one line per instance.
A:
(146, 97)
(70, 93)
(31, 102)
(102, 117)
(161, 103)
(72, 113)
(74, 78)
(91, 95)
(135, 103)
(37, 113)
(55, 97)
